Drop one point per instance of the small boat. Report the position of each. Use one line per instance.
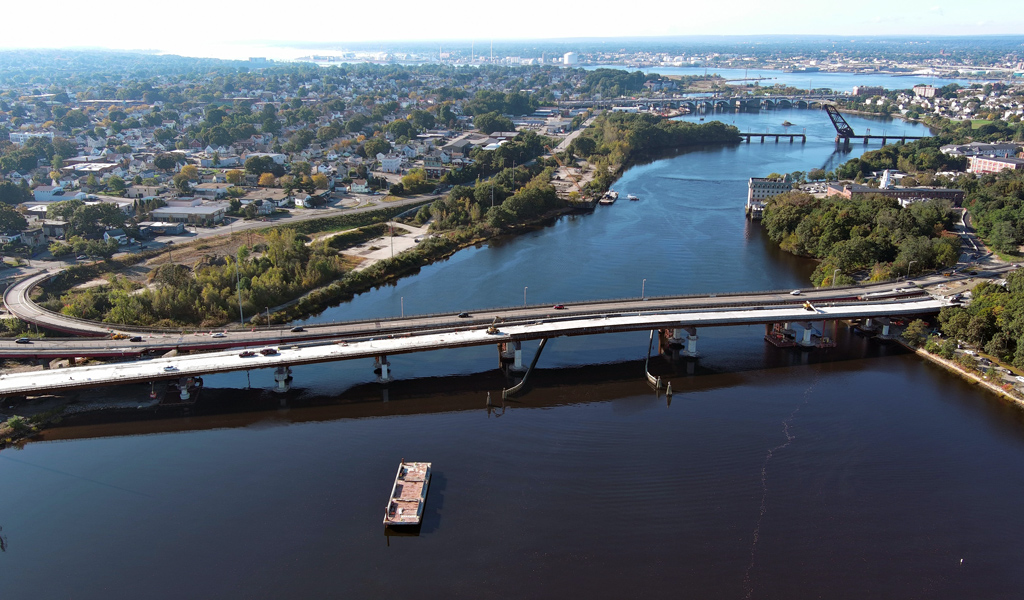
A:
(408, 495)
(609, 197)
(632, 197)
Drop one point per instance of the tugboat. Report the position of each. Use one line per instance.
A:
(631, 197)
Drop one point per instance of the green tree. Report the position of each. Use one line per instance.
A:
(916, 333)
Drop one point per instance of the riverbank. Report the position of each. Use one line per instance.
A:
(1010, 394)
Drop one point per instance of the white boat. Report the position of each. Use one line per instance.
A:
(632, 197)
(609, 197)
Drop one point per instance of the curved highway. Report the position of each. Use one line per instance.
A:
(159, 341)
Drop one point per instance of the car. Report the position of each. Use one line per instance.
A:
(972, 272)
(219, 334)
(296, 329)
(22, 340)
(1019, 379)
(268, 351)
(246, 353)
(170, 368)
(81, 257)
(135, 338)
(559, 307)
(795, 293)
(463, 315)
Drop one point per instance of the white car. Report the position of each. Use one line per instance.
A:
(1019, 379)
(795, 293)
(170, 368)
(219, 335)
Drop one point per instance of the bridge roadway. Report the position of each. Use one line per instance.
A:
(773, 308)
(160, 341)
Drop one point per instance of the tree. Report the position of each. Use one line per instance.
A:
(12, 193)
(374, 146)
(320, 181)
(491, 122)
(267, 180)
(116, 185)
(165, 161)
(181, 183)
(11, 220)
(235, 177)
(916, 333)
(191, 172)
(257, 165)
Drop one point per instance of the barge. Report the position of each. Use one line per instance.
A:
(408, 495)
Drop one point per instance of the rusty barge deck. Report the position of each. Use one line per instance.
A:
(408, 495)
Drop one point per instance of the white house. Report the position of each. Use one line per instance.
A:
(392, 163)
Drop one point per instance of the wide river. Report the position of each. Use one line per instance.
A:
(856, 472)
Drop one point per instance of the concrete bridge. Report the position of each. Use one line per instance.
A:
(786, 318)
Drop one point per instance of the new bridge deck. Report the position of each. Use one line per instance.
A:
(649, 317)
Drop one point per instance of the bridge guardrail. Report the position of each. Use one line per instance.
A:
(392, 320)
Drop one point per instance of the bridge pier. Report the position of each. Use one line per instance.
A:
(283, 377)
(691, 342)
(517, 361)
(381, 364)
(676, 338)
(806, 337)
(183, 389)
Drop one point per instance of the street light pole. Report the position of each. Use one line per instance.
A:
(238, 287)
(403, 306)
(524, 294)
(643, 287)
(834, 277)
(908, 268)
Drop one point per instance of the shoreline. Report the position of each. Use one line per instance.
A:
(956, 369)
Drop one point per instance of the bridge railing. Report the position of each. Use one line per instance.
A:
(397, 319)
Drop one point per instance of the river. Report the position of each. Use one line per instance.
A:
(812, 80)
(859, 471)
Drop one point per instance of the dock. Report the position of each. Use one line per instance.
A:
(408, 495)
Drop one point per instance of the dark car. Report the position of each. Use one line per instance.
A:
(296, 329)
(559, 307)
(22, 341)
(463, 315)
(135, 338)
(247, 353)
(268, 351)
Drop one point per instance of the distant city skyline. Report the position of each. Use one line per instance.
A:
(231, 30)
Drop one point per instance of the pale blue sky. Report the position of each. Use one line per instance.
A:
(203, 28)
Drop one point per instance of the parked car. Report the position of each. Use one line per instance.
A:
(170, 368)
(135, 338)
(268, 351)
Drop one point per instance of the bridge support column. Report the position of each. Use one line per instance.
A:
(381, 364)
(806, 339)
(183, 389)
(691, 342)
(283, 377)
(517, 363)
(506, 352)
(676, 338)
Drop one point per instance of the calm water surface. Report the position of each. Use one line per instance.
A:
(840, 82)
(850, 473)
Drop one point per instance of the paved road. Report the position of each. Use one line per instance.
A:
(159, 341)
(774, 308)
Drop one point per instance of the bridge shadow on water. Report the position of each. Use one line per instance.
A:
(549, 387)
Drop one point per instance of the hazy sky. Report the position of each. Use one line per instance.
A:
(204, 28)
